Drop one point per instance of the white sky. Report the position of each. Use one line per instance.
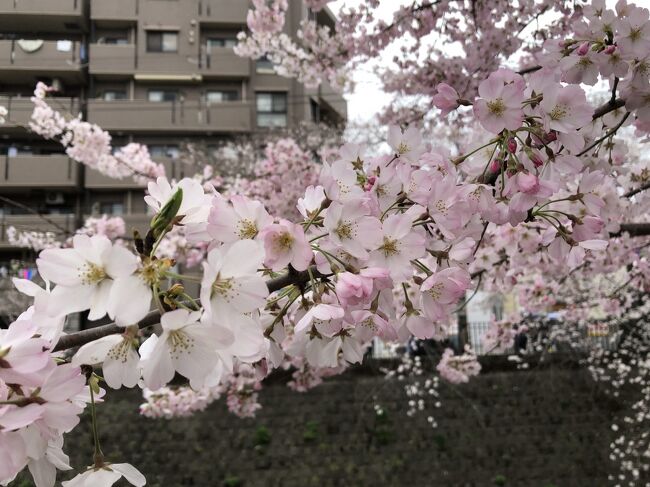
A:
(368, 98)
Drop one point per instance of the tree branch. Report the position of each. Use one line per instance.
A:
(608, 134)
(153, 318)
(632, 192)
(634, 229)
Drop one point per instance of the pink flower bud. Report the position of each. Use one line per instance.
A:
(512, 145)
(610, 50)
(583, 49)
(370, 183)
(495, 165)
(550, 137)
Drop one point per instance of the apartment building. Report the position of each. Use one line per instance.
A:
(158, 72)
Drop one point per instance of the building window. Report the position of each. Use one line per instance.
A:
(162, 95)
(229, 42)
(159, 41)
(271, 109)
(114, 40)
(111, 95)
(218, 96)
(162, 150)
(264, 66)
(315, 111)
(110, 208)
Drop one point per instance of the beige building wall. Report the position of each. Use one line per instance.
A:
(98, 53)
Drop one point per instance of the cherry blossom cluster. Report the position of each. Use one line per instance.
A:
(176, 402)
(112, 227)
(458, 368)
(40, 400)
(472, 40)
(500, 336)
(280, 178)
(382, 246)
(89, 144)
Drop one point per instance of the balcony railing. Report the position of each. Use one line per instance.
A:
(61, 225)
(112, 58)
(20, 108)
(334, 99)
(222, 61)
(39, 7)
(223, 11)
(41, 56)
(145, 116)
(43, 171)
(121, 59)
(114, 9)
(97, 180)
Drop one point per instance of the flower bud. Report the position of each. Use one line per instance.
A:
(583, 49)
(167, 213)
(512, 145)
(610, 49)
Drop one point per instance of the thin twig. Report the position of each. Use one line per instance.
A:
(11, 202)
(608, 134)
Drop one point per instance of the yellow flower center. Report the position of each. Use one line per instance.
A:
(436, 290)
(247, 229)
(91, 273)
(284, 241)
(389, 247)
(344, 230)
(558, 112)
(496, 107)
(179, 343)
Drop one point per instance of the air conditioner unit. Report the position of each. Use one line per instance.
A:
(54, 198)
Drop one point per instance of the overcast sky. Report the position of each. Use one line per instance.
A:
(367, 98)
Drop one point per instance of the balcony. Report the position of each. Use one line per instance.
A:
(61, 225)
(20, 109)
(27, 15)
(114, 11)
(42, 171)
(334, 99)
(112, 59)
(222, 62)
(139, 222)
(97, 180)
(223, 12)
(56, 58)
(145, 116)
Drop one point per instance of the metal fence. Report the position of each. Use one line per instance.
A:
(594, 336)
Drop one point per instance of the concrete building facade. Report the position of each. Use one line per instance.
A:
(158, 72)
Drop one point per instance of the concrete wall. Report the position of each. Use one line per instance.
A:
(532, 429)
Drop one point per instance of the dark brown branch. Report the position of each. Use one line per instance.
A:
(153, 318)
(634, 229)
(608, 134)
(610, 106)
(638, 190)
(531, 69)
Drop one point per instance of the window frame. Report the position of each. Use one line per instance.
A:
(274, 110)
(229, 91)
(164, 92)
(152, 47)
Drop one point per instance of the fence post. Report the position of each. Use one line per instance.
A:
(463, 335)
